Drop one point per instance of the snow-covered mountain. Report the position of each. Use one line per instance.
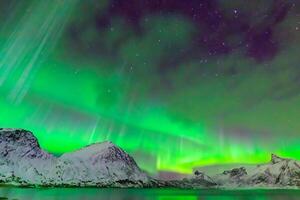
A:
(21, 158)
(100, 164)
(22, 161)
(279, 172)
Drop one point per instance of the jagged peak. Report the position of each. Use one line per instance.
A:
(276, 159)
(16, 134)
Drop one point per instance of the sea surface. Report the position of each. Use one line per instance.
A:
(144, 194)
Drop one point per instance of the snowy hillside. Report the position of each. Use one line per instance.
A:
(22, 161)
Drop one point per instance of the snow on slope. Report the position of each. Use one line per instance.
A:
(102, 163)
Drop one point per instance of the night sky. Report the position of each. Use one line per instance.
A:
(177, 84)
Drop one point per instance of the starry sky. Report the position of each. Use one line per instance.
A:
(177, 84)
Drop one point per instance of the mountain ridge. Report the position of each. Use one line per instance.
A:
(24, 163)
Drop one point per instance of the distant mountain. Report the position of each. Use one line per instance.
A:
(212, 170)
(23, 162)
(171, 175)
(279, 172)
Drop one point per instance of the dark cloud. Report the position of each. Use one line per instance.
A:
(220, 30)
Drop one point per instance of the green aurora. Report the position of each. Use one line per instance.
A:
(71, 94)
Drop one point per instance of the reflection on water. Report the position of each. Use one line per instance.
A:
(144, 194)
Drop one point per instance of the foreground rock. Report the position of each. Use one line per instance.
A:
(23, 162)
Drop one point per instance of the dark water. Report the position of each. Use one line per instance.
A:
(145, 194)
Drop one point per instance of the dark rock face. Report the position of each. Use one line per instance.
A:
(190, 183)
(199, 180)
(12, 139)
(202, 177)
(276, 159)
(236, 172)
(114, 154)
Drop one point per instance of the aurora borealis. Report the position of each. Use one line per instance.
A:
(177, 84)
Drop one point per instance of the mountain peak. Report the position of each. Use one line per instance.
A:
(18, 137)
(93, 148)
(276, 159)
